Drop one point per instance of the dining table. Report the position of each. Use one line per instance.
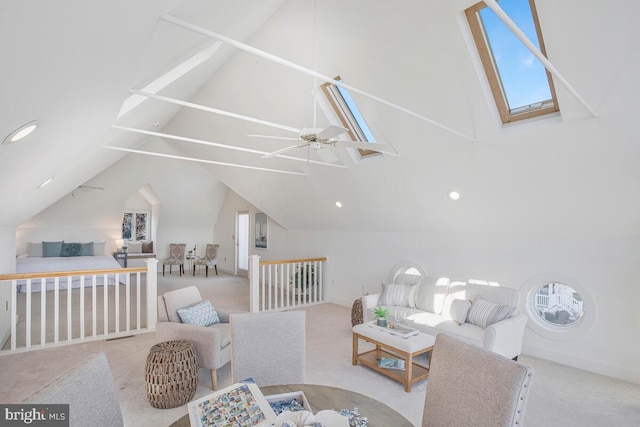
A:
(322, 397)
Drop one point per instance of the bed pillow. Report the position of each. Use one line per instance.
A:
(50, 249)
(86, 249)
(398, 295)
(147, 247)
(484, 313)
(70, 249)
(201, 314)
(98, 247)
(35, 249)
(134, 247)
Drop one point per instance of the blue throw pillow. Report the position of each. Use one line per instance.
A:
(70, 249)
(86, 249)
(51, 249)
(201, 314)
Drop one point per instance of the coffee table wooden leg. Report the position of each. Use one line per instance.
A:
(354, 356)
(408, 372)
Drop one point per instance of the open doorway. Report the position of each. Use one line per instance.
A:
(242, 244)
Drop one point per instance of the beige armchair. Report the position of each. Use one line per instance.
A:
(210, 259)
(212, 343)
(176, 257)
(470, 386)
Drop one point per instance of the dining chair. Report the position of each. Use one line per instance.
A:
(176, 257)
(210, 259)
(212, 343)
(268, 347)
(89, 390)
(470, 386)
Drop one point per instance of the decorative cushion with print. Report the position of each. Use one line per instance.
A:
(201, 314)
(484, 313)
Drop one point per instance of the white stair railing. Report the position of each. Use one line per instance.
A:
(282, 284)
(100, 304)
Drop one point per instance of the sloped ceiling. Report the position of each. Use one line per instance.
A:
(570, 174)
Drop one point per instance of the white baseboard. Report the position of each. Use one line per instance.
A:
(596, 366)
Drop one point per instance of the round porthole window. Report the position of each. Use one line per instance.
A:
(558, 307)
(558, 304)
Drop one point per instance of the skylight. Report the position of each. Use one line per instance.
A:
(521, 86)
(171, 76)
(349, 114)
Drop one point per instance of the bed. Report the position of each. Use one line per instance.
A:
(40, 260)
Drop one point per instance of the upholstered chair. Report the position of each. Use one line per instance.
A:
(212, 343)
(89, 390)
(470, 386)
(210, 259)
(176, 257)
(268, 347)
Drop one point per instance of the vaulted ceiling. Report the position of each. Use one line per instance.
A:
(71, 65)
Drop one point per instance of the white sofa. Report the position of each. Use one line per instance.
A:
(482, 315)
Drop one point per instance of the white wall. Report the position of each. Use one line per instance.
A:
(607, 267)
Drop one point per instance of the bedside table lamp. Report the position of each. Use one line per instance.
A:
(120, 243)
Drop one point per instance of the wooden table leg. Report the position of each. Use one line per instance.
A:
(354, 356)
(408, 365)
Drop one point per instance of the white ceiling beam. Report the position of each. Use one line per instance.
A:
(192, 159)
(213, 110)
(493, 5)
(187, 25)
(217, 144)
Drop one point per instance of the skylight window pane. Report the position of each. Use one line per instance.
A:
(350, 116)
(523, 77)
(521, 86)
(362, 124)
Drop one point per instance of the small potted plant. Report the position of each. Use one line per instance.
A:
(381, 316)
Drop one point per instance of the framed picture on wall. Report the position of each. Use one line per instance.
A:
(262, 231)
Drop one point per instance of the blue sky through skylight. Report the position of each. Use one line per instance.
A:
(356, 114)
(523, 77)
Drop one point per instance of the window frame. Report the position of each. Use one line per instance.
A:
(134, 220)
(346, 117)
(493, 78)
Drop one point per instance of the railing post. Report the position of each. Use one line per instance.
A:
(152, 293)
(254, 283)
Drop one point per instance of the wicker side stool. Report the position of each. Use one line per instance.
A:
(171, 374)
(356, 312)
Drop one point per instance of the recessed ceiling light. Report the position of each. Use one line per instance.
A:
(21, 132)
(338, 203)
(454, 195)
(45, 183)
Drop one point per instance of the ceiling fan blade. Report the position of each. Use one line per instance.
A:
(286, 138)
(332, 131)
(275, 153)
(360, 145)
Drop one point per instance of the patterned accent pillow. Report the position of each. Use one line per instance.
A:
(70, 249)
(484, 313)
(398, 295)
(201, 314)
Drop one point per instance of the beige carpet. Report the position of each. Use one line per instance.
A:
(560, 396)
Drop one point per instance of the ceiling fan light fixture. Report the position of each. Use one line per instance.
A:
(20, 133)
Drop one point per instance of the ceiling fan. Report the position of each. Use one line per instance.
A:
(318, 139)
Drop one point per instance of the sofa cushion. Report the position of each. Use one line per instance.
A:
(431, 293)
(456, 309)
(201, 314)
(407, 279)
(484, 313)
(398, 295)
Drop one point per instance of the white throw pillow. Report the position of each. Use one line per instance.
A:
(35, 249)
(99, 247)
(484, 313)
(456, 309)
(134, 247)
(398, 295)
